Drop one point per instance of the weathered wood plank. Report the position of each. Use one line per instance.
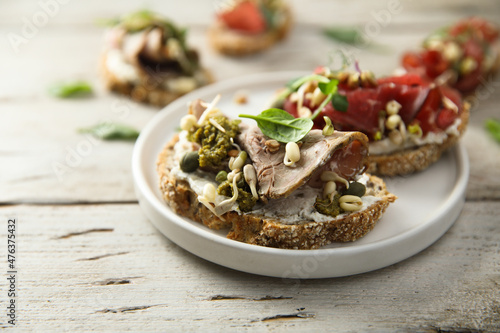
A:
(40, 145)
(94, 266)
(201, 12)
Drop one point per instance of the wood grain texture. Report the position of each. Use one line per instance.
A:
(139, 280)
(102, 266)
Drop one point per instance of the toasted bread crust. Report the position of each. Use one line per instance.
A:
(415, 159)
(259, 230)
(234, 43)
(147, 91)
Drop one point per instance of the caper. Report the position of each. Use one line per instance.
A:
(241, 183)
(190, 161)
(221, 176)
(356, 188)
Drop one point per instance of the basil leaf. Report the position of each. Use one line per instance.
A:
(71, 89)
(340, 102)
(493, 127)
(346, 35)
(139, 20)
(280, 125)
(328, 88)
(112, 131)
(268, 16)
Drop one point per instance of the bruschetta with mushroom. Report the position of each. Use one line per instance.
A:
(146, 57)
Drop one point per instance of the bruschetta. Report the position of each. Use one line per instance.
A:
(299, 195)
(146, 57)
(243, 27)
(463, 55)
(409, 121)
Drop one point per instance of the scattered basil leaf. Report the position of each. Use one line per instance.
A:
(281, 126)
(355, 37)
(112, 131)
(493, 127)
(340, 102)
(70, 89)
(352, 36)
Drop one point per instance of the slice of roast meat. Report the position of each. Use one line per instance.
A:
(343, 152)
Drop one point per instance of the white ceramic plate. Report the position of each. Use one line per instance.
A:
(429, 202)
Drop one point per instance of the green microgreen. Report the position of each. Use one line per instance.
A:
(339, 102)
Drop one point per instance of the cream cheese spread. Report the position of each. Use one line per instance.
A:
(386, 146)
(297, 207)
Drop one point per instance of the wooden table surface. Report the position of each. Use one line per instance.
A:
(88, 258)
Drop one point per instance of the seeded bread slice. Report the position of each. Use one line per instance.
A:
(149, 90)
(415, 159)
(260, 230)
(234, 43)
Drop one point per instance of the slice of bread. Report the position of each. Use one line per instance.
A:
(418, 158)
(234, 43)
(260, 230)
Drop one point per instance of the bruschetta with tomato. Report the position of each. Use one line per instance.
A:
(245, 27)
(409, 121)
(463, 55)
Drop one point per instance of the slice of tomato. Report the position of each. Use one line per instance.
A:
(474, 36)
(410, 79)
(245, 17)
(447, 116)
(411, 60)
(435, 63)
(427, 115)
(477, 27)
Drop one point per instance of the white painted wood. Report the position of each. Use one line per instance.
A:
(129, 277)
(40, 139)
(123, 275)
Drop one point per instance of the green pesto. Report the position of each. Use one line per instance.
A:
(214, 143)
(245, 200)
(327, 207)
